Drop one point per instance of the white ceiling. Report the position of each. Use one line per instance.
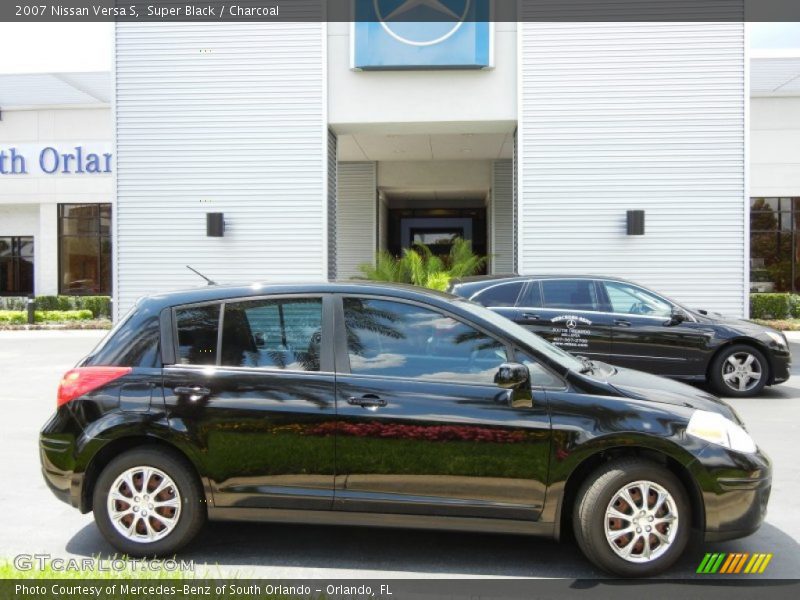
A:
(55, 89)
(458, 146)
(776, 75)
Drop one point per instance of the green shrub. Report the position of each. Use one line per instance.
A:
(20, 317)
(47, 303)
(13, 317)
(421, 267)
(773, 306)
(99, 305)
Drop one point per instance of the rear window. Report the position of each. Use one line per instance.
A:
(273, 334)
(576, 294)
(198, 327)
(502, 294)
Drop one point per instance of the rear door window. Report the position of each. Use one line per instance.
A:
(280, 333)
(575, 294)
(501, 294)
(198, 328)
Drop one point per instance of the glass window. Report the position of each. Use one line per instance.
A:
(405, 340)
(197, 334)
(84, 245)
(533, 296)
(774, 244)
(16, 266)
(273, 334)
(504, 294)
(576, 294)
(632, 300)
(541, 376)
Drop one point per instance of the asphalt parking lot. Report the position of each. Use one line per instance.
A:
(33, 521)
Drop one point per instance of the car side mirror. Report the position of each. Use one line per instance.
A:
(677, 317)
(516, 379)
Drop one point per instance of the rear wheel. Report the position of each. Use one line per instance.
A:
(148, 502)
(739, 371)
(632, 518)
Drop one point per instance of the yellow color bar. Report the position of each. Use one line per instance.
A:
(767, 558)
(749, 566)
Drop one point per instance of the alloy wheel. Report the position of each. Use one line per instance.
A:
(641, 521)
(144, 504)
(742, 371)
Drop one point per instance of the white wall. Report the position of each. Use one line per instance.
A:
(29, 201)
(619, 116)
(219, 117)
(421, 96)
(356, 217)
(775, 146)
(435, 174)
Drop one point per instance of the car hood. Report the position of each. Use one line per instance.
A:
(740, 326)
(652, 388)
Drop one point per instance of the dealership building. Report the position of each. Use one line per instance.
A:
(322, 143)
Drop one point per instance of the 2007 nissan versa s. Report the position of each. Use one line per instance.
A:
(388, 405)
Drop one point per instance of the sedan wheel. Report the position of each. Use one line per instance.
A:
(739, 371)
(742, 371)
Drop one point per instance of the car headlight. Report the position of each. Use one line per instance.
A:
(778, 338)
(715, 428)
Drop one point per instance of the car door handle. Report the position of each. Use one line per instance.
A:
(367, 401)
(622, 322)
(531, 316)
(195, 392)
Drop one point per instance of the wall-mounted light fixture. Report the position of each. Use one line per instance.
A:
(635, 222)
(215, 224)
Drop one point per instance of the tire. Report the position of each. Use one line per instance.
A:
(157, 525)
(723, 367)
(595, 498)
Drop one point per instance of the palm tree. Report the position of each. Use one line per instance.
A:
(421, 267)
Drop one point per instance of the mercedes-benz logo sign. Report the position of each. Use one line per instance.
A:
(571, 323)
(417, 33)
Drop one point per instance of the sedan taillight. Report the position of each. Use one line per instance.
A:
(80, 381)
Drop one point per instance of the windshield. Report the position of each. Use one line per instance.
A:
(528, 338)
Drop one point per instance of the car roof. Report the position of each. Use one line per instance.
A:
(478, 282)
(210, 293)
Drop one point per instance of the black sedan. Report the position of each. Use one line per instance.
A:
(385, 405)
(625, 324)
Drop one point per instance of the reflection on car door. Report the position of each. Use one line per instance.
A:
(567, 313)
(423, 429)
(258, 400)
(644, 338)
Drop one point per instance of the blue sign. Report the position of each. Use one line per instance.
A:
(422, 34)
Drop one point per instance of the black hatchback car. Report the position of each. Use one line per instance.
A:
(358, 403)
(625, 324)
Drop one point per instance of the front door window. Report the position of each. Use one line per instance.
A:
(396, 339)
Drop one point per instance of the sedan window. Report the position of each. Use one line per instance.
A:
(632, 300)
(577, 294)
(406, 340)
(502, 294)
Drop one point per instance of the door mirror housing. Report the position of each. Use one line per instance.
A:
(511, 376)
(516, 380)
(677, 317)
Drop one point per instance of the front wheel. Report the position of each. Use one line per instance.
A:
(632, 518)
(147, 502)
(739, 371)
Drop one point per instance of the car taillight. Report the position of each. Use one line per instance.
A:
(77, 382)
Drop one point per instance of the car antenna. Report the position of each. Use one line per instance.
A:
(210, 282)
